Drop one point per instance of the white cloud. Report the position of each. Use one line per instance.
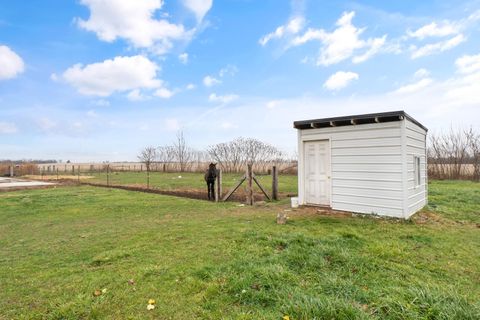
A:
(230, 70)
(434, 48)
(222, 99)
(423, 81)
(374, 45)
(293, 26)
(340, 80)
(183, 57)
(136, 95)
(164, 93)
(101, 103)
(413, 87)
(135, 21)
(446, 28)
(421, 73)
(272, 104)
(210, 81)
(8, 127)
(341, 43)
(11, 64)
(198, 7)
(468, 64)
(190, 86)
(109, 76)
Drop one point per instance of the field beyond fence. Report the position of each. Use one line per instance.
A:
(187, 184)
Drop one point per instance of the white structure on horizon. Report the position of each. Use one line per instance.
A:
(370, 163)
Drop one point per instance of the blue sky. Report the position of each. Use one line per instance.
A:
(96, 80)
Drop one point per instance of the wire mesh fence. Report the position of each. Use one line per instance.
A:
(188, 184)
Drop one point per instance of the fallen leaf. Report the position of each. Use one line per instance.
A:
(97, 293)
(104, 290)
(131, 282)
(285, 317)
(151, 301)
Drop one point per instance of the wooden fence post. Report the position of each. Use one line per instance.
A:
(78, 174)
(249, 184)
(218, 192)
(11, 171)
(274, 183)
(57, 173)
(148, 178)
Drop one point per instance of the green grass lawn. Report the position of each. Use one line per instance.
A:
(201, 260)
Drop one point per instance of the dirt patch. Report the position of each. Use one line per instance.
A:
(238, 196)
(310, 211)
(55, 177)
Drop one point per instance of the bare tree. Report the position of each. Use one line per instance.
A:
(183, 153)
(452, 154)
(165, 155)
(232, 156)
(148, 156)
(474, 146)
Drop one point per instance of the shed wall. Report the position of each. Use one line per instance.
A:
(415, 146)
(366, 162)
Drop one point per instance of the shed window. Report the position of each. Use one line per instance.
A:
(416, 170)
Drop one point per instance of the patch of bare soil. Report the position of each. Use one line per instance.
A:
(54, 177)
(193, 193)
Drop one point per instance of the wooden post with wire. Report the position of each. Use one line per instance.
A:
(78, 174)
(108, 175)
(148, 177)
(249, 175)
(274, 183)
(218, 192)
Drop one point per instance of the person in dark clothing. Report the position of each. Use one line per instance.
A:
(210, 177)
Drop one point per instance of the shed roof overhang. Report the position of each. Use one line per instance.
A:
(355, 120)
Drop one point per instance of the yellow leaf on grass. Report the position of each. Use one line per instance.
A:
(151, 301)
(150, 307)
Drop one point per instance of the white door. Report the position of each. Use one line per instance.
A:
(317, 172)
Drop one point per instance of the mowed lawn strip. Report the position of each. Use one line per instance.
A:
(201, 260)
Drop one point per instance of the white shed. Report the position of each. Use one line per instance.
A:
(370, 163)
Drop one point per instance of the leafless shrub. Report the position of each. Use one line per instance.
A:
(474, 145)
(232, 156)
(183, 153)
(148, 156)
(451, 154)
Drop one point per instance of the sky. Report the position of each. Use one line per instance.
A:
(98, 80)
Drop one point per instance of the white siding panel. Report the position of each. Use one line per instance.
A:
(415, 147)
(372, 159)
(368, 208)
(371, 184)
(366, 168)
(365, 151)
(386, 166)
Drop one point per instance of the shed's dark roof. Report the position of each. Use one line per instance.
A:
(356, 119)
